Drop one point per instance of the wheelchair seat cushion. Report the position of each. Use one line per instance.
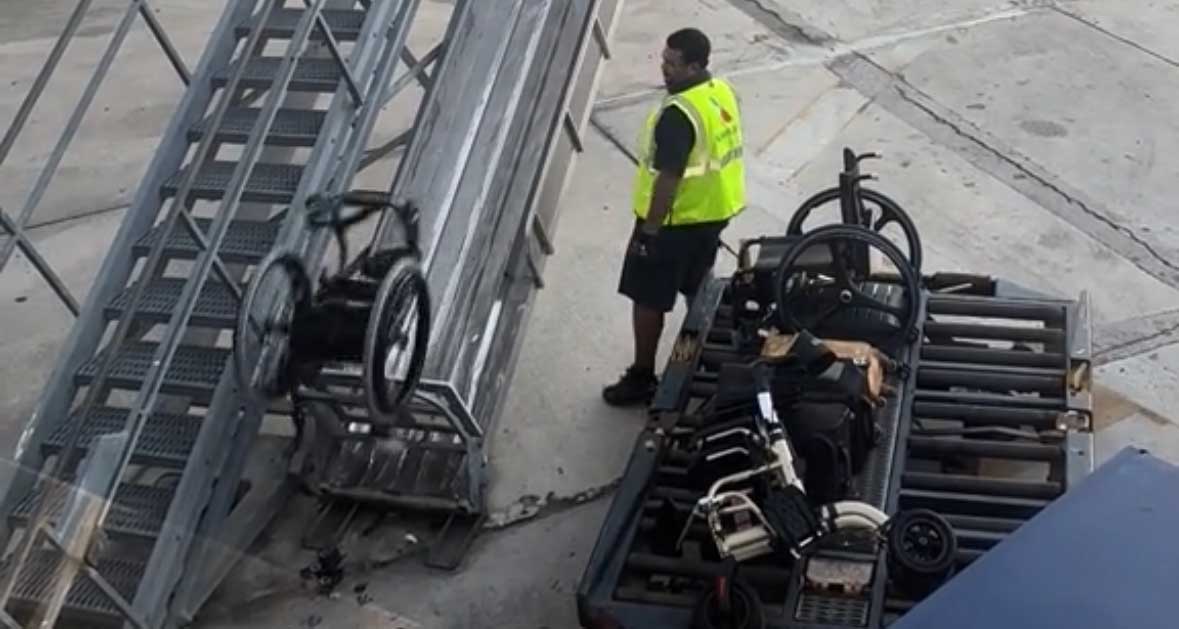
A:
(773, 250)
(856, 323)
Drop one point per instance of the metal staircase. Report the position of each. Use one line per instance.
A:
(129, 472)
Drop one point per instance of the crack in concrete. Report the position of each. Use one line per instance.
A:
(1112, 35)
(1104, 230)
(532, 508)
(792, 29)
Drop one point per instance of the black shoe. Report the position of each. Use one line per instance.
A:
(637, 386)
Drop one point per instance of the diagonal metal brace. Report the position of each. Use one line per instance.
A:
(165, 43)
(417, 70)
(334, 48)
(30, 250)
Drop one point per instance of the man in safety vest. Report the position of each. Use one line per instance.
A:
(690, 183)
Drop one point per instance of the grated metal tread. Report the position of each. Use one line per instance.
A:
(166, 440)
(137, 510)
(85, 605)
(345, 24)
(245, 241)
(291, 128)
(194, 371)
(832, 610)
(311, 74)
(268, 183)
(215, 307)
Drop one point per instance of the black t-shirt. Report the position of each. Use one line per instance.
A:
(674, 135)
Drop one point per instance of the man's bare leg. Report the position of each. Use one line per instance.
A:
(648, 327)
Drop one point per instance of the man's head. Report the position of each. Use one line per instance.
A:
(685, 56)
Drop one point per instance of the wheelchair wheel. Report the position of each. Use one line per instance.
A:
(729, 603)
(797, 289)
(888, 211)
(400, 317)
(261, 345)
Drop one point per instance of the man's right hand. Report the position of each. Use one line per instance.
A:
(641, 244)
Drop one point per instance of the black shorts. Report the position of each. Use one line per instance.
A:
(679, 260)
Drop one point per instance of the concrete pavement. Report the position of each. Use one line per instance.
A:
(1030, 140)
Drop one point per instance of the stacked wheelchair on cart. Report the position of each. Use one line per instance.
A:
(354, 340)
(777, 451)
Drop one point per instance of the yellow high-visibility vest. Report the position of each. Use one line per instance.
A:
(713, 185)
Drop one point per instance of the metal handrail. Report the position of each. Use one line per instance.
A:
(15, 227)
(206, 262)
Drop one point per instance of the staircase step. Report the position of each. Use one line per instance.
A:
(85, 605)
(312, 74)
(292, 127)
(215, 307)
(137, 510)
(345, 24)
(194, 370)
(268, 183)
(245, 241)
(166, 440)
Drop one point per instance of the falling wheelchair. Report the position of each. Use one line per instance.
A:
(372, 314)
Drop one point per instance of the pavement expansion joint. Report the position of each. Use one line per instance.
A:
(1141, 335)
(1081, 204)
(1112, 35)
(602, 129)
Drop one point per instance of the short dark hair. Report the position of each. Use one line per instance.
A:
(692, 44)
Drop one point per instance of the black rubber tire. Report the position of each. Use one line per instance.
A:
(888, 207)
(747, 608)
(909, 277)
(403, 282)
(300, 289)
(918, 571)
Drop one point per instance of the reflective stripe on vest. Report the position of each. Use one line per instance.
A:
(713, 184)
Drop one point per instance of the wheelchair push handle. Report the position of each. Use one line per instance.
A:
(851, 161)
(327, 210)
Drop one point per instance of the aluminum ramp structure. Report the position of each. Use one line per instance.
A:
(494, 147)
(130, 505)
(141, 407)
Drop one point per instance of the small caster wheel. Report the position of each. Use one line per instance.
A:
(921, 551)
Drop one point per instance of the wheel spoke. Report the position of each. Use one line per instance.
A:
(839, 261)
(834, 308)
